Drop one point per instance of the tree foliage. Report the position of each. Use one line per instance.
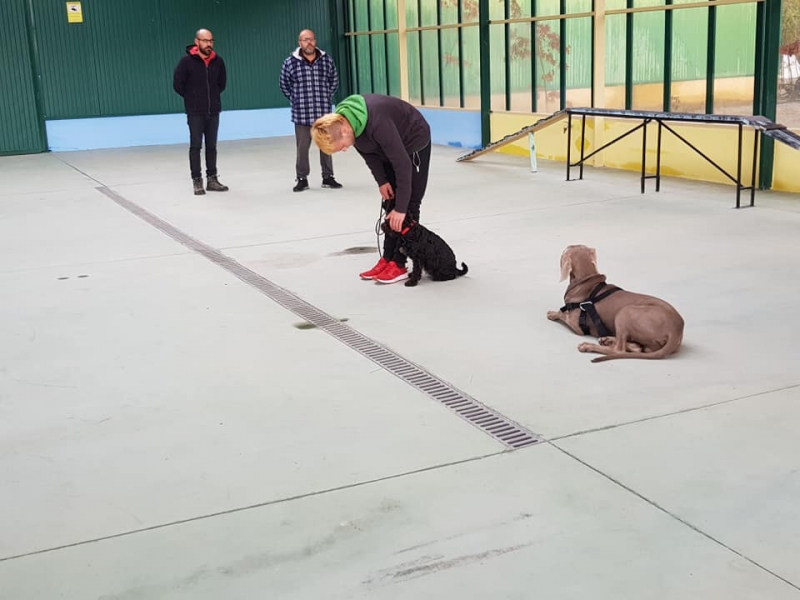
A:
(790, 23)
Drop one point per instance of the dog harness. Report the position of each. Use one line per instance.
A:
(587, 308)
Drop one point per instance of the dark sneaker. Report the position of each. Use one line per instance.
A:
(198, 186)
(392, 273)
(302, 185)
(330, 182)
(213, 185)
(375, 271)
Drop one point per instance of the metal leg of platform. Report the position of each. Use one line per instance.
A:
(658, 160)
(583, 137)
(739, 170)
(756, 135)
(644, 151)
(569, 143)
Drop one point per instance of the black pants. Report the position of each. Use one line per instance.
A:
(420, 162)
(201, 126)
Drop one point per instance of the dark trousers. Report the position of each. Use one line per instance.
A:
(302, 135)
(420, 162)
(203, 126)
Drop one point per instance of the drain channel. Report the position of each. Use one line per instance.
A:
(471, 410)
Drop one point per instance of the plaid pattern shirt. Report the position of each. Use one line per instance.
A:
(309, 86)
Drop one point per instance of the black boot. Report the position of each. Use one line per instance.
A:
(330, 182)
(213, 185)
(198, 186)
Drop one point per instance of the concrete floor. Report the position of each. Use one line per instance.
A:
(167, 431)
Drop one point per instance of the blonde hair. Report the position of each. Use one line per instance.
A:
(327, 132)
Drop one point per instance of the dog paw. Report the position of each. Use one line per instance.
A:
(554, 315)
(411, 283)
(606, 340)
(585, 347)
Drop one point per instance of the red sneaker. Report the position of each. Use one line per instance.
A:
(375, 271)
(392, 273)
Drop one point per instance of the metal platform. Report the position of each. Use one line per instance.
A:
(761, 126)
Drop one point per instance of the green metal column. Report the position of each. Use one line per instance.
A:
(562, 56)
(341, 56)
(461, 57)
(758, 74)
(486, 80)
(668, 58)
(507, 28)
(711, 58)
(629, 57)
(769, 87)
(534, 76)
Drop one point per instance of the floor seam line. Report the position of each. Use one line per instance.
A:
(255, 506)
(673, 516)
(674, 413)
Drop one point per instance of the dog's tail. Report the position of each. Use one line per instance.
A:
(463, 270)
(672, 345)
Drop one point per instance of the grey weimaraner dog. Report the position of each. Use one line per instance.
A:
(628, 325)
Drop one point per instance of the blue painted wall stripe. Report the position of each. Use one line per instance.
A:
(452, 128)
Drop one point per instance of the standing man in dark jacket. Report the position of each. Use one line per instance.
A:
(395, 141)
(309, 79)
(200, 78)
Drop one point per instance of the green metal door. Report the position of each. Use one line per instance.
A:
(21, 125)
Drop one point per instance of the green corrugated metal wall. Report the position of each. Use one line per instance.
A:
(21, 130)
(120, 60)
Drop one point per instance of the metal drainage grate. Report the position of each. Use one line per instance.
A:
(490, 421)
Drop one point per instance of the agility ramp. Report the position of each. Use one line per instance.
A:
(761, 126)
(513, 137)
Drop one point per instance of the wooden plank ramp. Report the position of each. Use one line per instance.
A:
(513, 137)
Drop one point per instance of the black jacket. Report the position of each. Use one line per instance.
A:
(395, 130)
(201, 86)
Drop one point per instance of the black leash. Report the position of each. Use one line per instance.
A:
(378, 230)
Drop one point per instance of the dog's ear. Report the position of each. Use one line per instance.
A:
(593, 256)
(566, 264)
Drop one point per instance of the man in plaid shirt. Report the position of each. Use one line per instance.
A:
(309, 80)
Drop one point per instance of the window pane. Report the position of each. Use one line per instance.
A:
(450, 58)
(430, 61)
(497, 43)
(520, 53)
(788, 112)
(689, 51)
(414, 74)
(615, 58)
(734, 62)
(579, 62)
(648, 59)
(394, 59)
(548, 61)
(472, 67)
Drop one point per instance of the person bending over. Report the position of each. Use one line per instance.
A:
(395, 141)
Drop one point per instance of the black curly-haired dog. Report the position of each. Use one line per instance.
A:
(427, 251)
